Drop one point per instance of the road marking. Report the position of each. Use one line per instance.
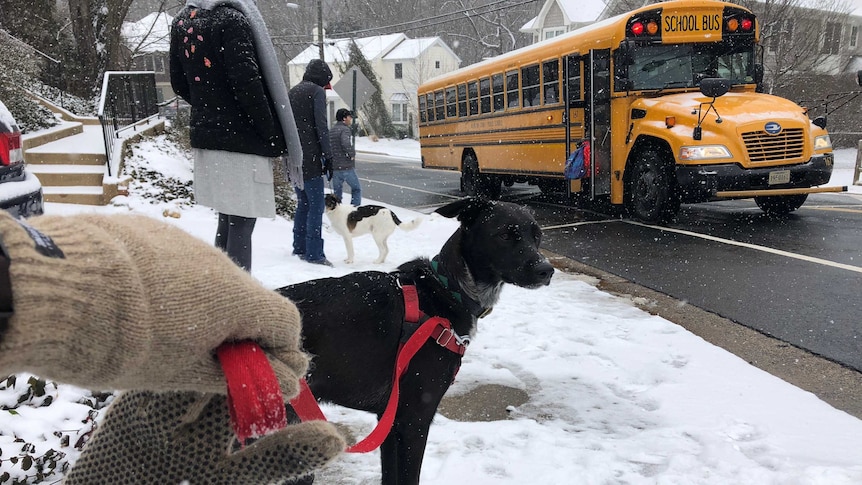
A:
(575, 224)
(801, 257)
(836, 209)
(404, 187)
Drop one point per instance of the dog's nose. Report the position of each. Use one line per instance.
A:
(543, 271)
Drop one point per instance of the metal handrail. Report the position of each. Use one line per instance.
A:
(128, 97)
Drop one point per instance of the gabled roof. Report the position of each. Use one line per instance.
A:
(574, 11)
(338, 50)
(413, 48)
(150, 34)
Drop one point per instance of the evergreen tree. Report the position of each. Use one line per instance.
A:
(375, 110)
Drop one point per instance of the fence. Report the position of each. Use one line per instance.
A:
(127, 98)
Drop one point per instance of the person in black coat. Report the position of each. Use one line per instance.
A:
(235, 129)
(308, 100)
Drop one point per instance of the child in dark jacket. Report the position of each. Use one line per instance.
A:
(344, 157)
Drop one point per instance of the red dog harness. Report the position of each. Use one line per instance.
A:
(251, 397)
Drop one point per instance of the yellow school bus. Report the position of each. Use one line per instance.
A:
(666, 95)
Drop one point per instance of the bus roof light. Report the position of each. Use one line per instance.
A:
(747, 24)
(732, 25)
(637, 28)
(652, 28)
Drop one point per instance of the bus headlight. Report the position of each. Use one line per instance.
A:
(704, 152)
(822, 142)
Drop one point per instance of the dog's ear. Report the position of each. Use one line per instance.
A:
(466, 209)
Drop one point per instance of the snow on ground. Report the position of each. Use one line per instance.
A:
(617, 396)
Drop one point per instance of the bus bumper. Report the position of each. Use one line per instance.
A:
(704, 183)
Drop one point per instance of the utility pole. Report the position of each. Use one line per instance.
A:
(320, 28)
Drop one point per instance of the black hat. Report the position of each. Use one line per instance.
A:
(342, 113)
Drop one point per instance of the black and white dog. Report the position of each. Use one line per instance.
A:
(353, 325)
(350, 222)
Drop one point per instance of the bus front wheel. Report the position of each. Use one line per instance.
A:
(651, 195)
(477, 184)
(780, 205)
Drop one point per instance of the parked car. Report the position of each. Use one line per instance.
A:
(20, 190)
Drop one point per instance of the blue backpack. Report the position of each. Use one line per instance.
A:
(575, 168)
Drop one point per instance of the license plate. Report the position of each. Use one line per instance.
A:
(779, 177)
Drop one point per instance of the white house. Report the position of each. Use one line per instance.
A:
(556, 17)
(401, 64)
(148, 41)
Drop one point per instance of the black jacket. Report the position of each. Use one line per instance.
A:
(215, 68)
(308, 101)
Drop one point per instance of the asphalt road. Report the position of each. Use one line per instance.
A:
(798, 278)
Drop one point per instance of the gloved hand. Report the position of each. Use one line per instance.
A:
(133, 303)
(136, 304)
(175, 437)
(327, 167)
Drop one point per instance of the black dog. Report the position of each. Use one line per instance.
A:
(353, 325)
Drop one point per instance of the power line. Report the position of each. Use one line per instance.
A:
(442, 18)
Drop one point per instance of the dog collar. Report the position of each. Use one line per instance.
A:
(472, 305)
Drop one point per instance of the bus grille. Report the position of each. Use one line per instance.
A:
(763, 147)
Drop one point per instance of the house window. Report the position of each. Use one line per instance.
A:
(832, 38)
(781, 34)
(436, 64)
(551, 33)
(399, 112)
(854, 34)
(398, 70)
(159, 64)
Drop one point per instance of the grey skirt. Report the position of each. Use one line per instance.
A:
(238, 184)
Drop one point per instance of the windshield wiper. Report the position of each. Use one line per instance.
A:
(673, 84)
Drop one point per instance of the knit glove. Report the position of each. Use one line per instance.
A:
(191, 442)
(135, 303)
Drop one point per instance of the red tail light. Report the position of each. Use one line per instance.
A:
(10, 148)
(747, 24)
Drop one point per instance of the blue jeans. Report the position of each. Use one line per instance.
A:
(308, 222)
(339, 178)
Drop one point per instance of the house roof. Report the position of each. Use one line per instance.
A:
(338, 50)
(574, 11)
(413, 48)
(150, 34)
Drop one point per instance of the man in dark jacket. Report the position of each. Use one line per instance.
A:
(344, 157)
(308, 100)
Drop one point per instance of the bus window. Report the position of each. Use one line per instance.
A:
(512, 89)
(485, 95)
(530, 86)
(575, 93)
(497, 84)
(423, 117)
(451, 105)
(551, 81)
(439, 107)
(473, 96)
(429, 106)
(462, 100)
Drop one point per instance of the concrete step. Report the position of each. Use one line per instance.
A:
(84, 195)
(58, 132)
(44, 158)
(69, 175)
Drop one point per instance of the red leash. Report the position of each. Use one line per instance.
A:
(253, 394)
(254, 397)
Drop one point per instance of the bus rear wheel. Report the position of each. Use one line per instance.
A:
(477, 184)
(651, 195)
(780, 205)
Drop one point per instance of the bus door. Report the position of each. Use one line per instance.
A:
(573, 112)
(597, 117)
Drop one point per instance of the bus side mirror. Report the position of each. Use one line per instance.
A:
(715, 86)
(820, 121)
(758, 73)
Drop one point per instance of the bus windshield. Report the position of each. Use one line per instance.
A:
(684, 65)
